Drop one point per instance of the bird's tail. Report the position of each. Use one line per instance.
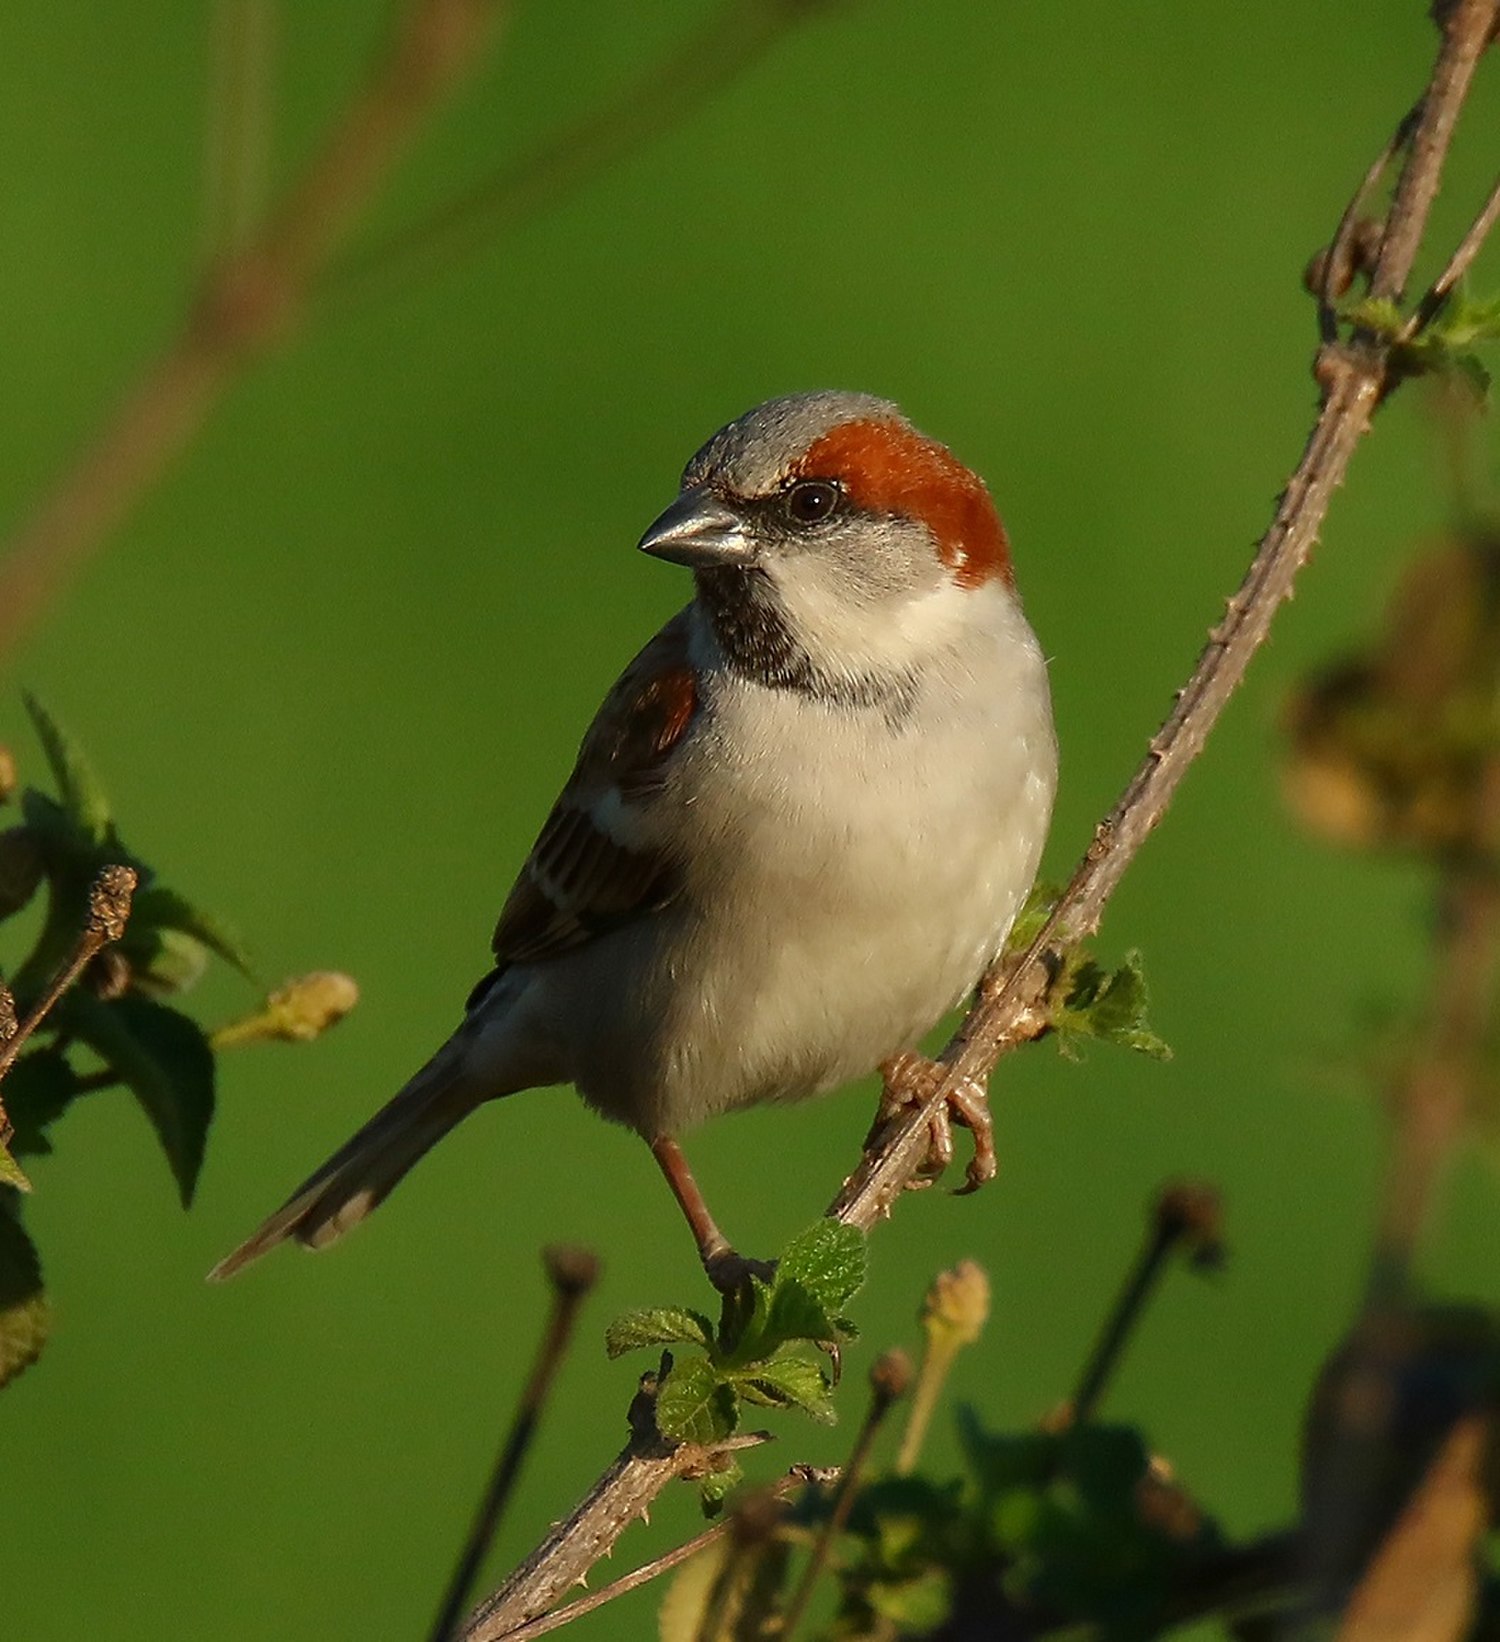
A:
(366, 1168)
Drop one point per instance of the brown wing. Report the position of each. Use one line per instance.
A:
(580, 880)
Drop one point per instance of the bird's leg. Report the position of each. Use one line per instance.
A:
(726, 1270)
(909, 1080)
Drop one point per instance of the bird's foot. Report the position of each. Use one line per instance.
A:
(730, 1271)
(910, 1081)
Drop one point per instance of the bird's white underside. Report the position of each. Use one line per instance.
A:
(847, 879)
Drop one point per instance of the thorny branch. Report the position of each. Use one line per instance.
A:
(621, 1496)
(1354, 377)
(798, 1478)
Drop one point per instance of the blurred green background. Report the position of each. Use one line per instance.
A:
(334, 669)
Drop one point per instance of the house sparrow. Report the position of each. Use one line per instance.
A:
(799, 828)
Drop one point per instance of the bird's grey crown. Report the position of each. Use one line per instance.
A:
(751, 456)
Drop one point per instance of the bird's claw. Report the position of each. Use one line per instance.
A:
(910, 1080)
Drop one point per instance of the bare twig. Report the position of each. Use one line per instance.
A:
(1336, 264)
(572, 1273)
(1458, 265)
(1354, 377)
(1010, 1009)
(109, 908)
(623, 1586)
(252, 299)
(621, 1496)
(245, 305)
(1467, 28)
(9, 1026)
(800, 1476)
(1432, 1100)
(1181, 1215)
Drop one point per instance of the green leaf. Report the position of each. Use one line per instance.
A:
(657, 1326)
(694, 1404)
(1472, 371)
(789, 1380)
(827, 1261)
(39, 1089)
(164, 962)
(165, 1060)
(82, 796)
(1003, 1461)
(685, 1607)
(820, 1270)
(795, 1313)
(1106, 1464)
(157, 908)
(915, 1606)
(25, 1315)
(1468, 321)
(1377, 314)
(1108, 1006)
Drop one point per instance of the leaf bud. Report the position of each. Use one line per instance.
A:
(571, 1269)
(298, 1011)
(8, 777)
(957, 1306)
(891, 1375)
(1191, 1213)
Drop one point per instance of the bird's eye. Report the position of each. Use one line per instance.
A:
(812, 501)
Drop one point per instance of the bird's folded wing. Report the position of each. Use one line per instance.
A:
(581, 879)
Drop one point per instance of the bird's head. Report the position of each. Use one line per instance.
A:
(828, 516)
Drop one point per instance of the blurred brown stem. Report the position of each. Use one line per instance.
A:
(1130, 1302)
(246, 304)
(252, 298)
(1432, 1099)
(735, 36)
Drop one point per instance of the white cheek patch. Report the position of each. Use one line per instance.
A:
(843, 636)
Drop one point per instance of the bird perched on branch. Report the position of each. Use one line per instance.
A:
(799, 828)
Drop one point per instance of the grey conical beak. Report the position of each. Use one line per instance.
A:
(699, 531)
